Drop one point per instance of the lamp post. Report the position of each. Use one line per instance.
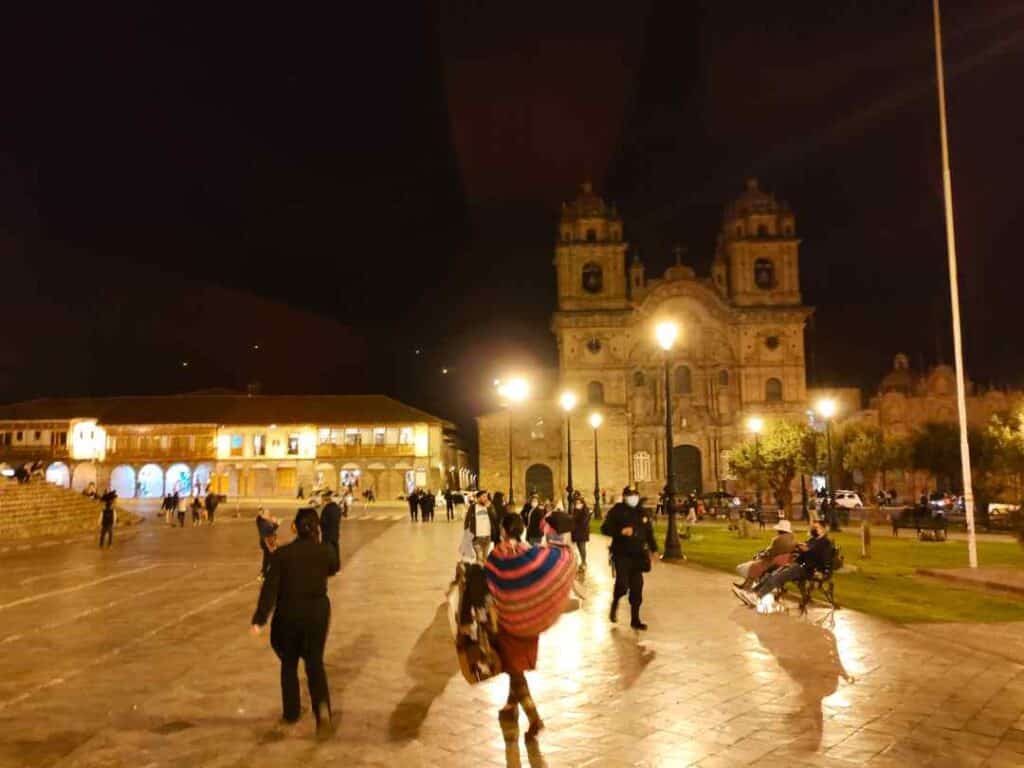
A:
(756, 424)
(596, 419)
(827, 409)
(515, 390)
(666, 333)
(568, 402)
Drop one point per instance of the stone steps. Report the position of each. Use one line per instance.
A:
(40, 509)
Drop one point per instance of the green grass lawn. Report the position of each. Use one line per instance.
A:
(885, 585)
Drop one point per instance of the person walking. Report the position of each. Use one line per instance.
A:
(180, 503)
(108, 519)
(168, 508)
(212, 501)
(414, 505)
(535, 516)
(449, 504)
(525, 608)
(427, 506)
(295, 590)
(580, 528)
(633, 547)
(330, 523)
(197, 511)
(267, 527)
(482, 522)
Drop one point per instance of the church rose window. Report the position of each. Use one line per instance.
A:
(773, 391)
(593, 345)
(595, 392)
(592, 278)
(764, 274)
(772, 342)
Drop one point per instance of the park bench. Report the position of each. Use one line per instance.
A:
(821, 581)
(920, 520)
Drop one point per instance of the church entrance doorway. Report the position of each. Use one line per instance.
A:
(687, 466)
(540, 481)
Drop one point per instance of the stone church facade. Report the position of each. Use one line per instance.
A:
(740, 353)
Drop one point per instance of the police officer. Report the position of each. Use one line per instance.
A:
(633, 545)
(108, 519)
(330, 522)
(296, 591)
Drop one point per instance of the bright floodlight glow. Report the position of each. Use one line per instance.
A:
(827, 407)
(596, 419)
(568, 401)
(755, 424)
(666, 334)
(515, 390)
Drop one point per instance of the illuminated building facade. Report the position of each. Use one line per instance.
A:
(260, 446)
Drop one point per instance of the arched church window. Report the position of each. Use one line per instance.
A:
(773, 391)
(591, 235)
(762, 230)
(764, 274)
(684, 380)
(723, 378)
(641, 466)
(639, 379)
(595, 393)
(593, 279)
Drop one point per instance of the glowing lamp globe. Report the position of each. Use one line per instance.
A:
(827, 408)
(755, 424)
(666, 333)
(568, 401)
(596, 420)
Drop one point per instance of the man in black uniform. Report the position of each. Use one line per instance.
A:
(108, 519)
(212, 500)
(427, 505)
(633, 544)
(330, 523)
(296, 591)
(449, 504)
(414, 505)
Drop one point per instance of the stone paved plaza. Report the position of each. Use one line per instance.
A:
(140, 656)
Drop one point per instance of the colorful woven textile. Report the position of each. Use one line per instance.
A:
(530, 586)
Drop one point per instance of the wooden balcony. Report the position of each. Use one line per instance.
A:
(330, 451)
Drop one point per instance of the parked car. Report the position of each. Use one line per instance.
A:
(1003, 516)
(848, 500)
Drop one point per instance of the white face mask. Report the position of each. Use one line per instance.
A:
(632, 500)
(579, 506)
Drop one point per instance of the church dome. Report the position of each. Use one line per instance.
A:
(588, 205)
(900, 378)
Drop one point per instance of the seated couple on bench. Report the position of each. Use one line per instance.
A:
(776, 570)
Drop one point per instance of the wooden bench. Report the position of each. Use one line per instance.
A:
(821, 582)
(912, 518)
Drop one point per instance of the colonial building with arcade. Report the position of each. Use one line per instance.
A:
(740, 353)
(246, 446)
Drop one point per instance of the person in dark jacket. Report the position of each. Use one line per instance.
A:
(108, 519)
(499, 505)
(531, 504)
(580, 527)
(427, 506)
(449, 504)
(295, 590)
(535, 516)
(212, 500)
(414, 504)
(330, 523)
(479, 515)
(633, 545)
(815, 555)
(267, 528)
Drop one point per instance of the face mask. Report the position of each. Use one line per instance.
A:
(579, 506)
(632, 500)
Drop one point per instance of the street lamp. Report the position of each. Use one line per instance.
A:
(827, 409)
(666, 334)
(568, 402)
(515, 390)
(756, 424)
(596, 419)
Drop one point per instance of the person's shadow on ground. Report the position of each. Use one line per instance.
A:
(431, 664)
(807, 653)
(633, 657)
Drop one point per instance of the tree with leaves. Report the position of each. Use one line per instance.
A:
(775, 459)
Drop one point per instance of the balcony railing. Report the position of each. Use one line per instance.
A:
(331, 451)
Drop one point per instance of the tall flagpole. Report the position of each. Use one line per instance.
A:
(954, 293)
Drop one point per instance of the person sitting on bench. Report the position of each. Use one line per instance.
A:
(778, 554)
(815, 555)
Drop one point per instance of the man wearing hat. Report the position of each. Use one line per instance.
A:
(633, 547)
(779, 553)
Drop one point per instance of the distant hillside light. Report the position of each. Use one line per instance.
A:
(184, 363)
(444, 371)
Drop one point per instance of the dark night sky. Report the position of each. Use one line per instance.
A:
(394, 175)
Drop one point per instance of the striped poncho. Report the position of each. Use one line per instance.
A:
(530, 586)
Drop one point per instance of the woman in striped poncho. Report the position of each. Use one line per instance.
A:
(530, 586)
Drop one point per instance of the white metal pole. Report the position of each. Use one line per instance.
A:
(954, 293)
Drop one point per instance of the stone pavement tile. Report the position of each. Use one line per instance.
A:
(861, 746)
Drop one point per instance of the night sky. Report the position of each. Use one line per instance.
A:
(386, 178)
